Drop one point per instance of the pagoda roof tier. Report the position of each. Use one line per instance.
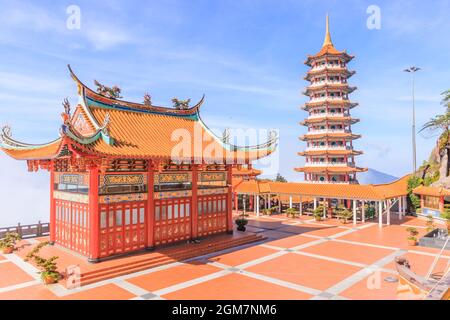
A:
(318, 136)
(330, 169)
(339, 86)
(105, 127)
(330, 152)
(328, 49)
(329, 71)
(329, 102)
(318, 120)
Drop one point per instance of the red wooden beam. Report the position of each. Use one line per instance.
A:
(94, 217)
(150, 218)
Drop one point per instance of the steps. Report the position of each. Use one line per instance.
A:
(167, 255)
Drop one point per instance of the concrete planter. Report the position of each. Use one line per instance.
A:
(432, 240)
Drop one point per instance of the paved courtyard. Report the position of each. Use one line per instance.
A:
(301, 259)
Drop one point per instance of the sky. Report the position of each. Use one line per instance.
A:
(245, 56)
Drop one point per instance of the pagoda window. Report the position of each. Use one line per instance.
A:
(123, 189)
(322, 143)
(333, 127)
(333, 143)
(322, 111)
(322, 178)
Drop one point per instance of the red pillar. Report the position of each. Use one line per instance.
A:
(236, 202)
(251, 203)
(229, 204)
(194, 206)
(94, 217)
(52, 207)
(150, 237)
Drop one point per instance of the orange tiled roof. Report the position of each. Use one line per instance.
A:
(125, 129)
(246, 171)
(330, 135)
(432, 191)
(330, 119)
(328, 190)
(329, 152)
(50, 150)
(330, 169)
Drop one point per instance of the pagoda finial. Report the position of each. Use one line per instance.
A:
(327, 41)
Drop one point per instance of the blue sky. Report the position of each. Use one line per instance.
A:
(246, 56)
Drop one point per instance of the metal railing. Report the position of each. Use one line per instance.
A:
(27, 231)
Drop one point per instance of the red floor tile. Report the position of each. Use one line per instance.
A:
(307, 271)
(10, 274)
(36, 292)
(373, 287)
(291, 241)
(237, 287)
(106, 292)
(236, 258)
(349, 252)
(169, 277)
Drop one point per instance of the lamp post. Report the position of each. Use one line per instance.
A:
(412, 71)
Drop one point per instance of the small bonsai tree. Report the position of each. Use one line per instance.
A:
(291, 212)
(430, 223)
(8, 243)
(344, 214)
(318, 213)
(49, 269)
(412, 238)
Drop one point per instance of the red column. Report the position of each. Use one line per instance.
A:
(229, 205)
(441, 204)
(194, 206)
(94, 217)
(251, 203)
(150, 237)
(52, 207)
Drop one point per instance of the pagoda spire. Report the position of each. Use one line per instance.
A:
(327, 41)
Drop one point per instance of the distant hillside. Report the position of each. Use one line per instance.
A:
(373, 176)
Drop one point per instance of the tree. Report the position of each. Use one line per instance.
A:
(280, 178)
(414, 182)
(441, 123)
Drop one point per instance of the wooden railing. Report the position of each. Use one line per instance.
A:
(28, 231)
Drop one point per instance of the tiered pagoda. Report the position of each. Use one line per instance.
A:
(330, 157)
(131, 176)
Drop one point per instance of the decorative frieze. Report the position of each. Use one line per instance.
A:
(212, 176)
(72, 197)
(106, 199)
(173, 177)
(172, 194)
(205, 192)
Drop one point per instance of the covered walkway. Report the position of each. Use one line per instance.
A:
(385, 198)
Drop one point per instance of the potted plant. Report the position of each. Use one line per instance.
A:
(412, 238)
(344, 214)
(318, 213)
(49, 269)
(446, 216)
(8, 243)
(291, 212)
(430, 223)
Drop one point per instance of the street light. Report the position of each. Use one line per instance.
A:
(413, 70)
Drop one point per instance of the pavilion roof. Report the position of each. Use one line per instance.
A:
(328, 190)
(331, 169)
(107, 127)
(330, 152)
(432, 191)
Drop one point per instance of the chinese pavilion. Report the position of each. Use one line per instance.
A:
(330, 157)
(127, 176)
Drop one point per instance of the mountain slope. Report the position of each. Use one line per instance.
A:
(373, 176)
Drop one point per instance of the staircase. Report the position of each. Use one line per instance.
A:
(167, 255)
